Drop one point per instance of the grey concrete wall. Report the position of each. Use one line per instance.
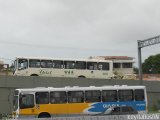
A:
(9, 83)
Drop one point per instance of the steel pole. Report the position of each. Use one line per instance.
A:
(140, 64)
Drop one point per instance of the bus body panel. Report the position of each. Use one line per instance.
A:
(27, 70)
(81, 108)
(66, 73)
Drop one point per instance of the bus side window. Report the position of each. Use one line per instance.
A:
(100, 67)
(139, 95)
(34, 63)
(103, 66)
(58, 97)
(57, 64)
(69, 64)
(75, 97)
(109, 95)
(125, 95)
(42, 97)
(46, 64)
(92, 96)
(91, 65)
(80, 65)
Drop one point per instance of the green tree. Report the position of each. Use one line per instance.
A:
(135, 69)
(151, 65)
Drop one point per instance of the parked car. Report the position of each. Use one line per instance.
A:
(120, 110)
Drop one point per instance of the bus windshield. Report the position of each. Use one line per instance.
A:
(22, 64)
(15, 103)
(26, 101)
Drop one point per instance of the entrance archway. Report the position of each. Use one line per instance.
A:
(142, 44)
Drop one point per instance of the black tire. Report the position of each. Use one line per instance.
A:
(44, 115)
(34, 75)
(81, 76)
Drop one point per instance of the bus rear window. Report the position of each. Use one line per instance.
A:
(139, 95)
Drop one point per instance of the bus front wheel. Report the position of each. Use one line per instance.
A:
(34, 75)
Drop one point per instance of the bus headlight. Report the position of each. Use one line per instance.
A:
(14, 114)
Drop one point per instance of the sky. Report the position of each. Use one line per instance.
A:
(77, 28)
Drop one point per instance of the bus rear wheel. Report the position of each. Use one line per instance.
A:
(81, 76)
(44, 115)
(34, 75)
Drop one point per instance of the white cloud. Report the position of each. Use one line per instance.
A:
(78, 28)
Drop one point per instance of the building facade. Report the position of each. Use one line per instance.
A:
(122, 66)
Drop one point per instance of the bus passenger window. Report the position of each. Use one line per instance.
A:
(103, 66)
(100, 67)
(46, 64)
(91, 65)
(33, 63)
(109, 95)
(42, 97)
(57, 64)
(80, 65)
(69, 64)
(58, 97)
(92, 96)
(139, 95)
(75, 97)
(125, 95)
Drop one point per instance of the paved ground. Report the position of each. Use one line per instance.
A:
(155, 116)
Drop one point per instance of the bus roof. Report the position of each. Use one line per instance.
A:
(77, 88)
(69, 59)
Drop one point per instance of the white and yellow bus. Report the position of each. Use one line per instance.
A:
(50, 102)
(86, 68)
